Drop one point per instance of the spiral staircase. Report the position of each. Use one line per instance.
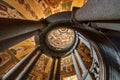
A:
(61, 35)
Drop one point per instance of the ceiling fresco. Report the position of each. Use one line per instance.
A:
(38, 72)
(35, 10)
(6, 12)
(7, 61)
(23, 48)
(24, 8)
(61, 38)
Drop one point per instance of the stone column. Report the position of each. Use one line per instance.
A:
(51, 72)
(79, 76)
(57, 76)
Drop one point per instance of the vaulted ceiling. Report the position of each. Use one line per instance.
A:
(33, 10)
(36, 9)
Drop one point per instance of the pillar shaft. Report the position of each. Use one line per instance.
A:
(51, 72)
(13, 31)
(24, 74)
(79, 76)
(16, 70)
(57, 76)
(80, 61)
(82, 65)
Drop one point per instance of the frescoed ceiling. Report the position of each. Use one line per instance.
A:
(35, 10)
(61, 38)
(23, 48)
(7, 12)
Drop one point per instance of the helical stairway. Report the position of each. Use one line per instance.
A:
(102, 41)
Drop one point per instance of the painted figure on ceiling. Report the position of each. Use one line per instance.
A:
(27, 7)
(7, 12)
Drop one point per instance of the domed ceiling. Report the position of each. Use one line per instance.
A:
(35, 10)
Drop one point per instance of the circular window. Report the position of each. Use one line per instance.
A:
(61, 38)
